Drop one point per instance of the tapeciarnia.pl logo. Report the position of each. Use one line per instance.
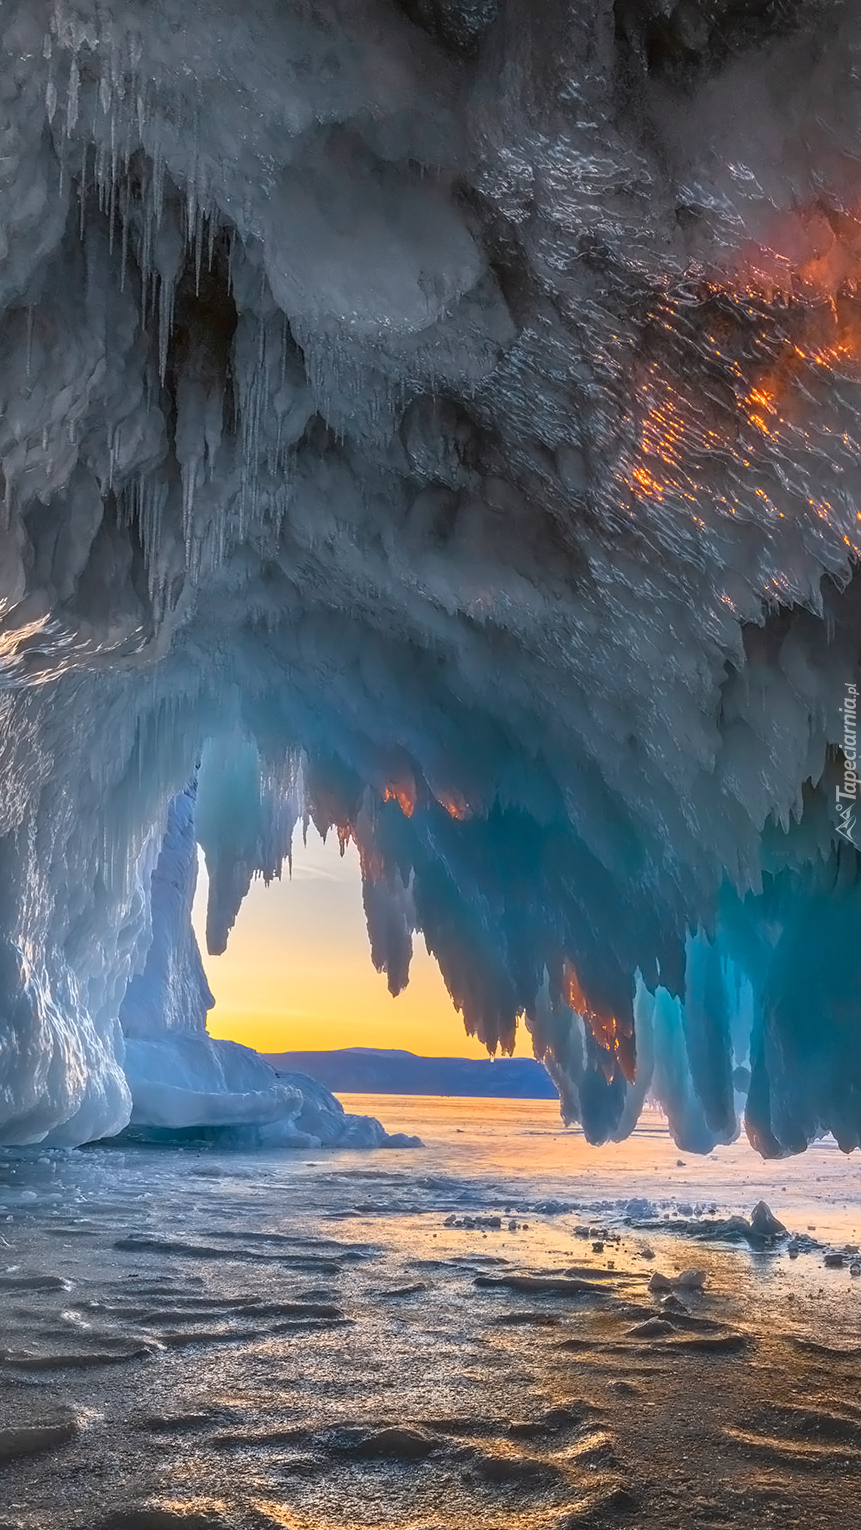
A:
(847, 794)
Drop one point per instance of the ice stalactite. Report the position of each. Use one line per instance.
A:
(179, 1077)
(186, 1085)
(438, 418)
(171, 993)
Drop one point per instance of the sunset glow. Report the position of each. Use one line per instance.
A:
(297, 974)
(615, 1040)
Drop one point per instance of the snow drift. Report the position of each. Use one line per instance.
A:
(438, 420)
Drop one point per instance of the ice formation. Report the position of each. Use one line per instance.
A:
(182, 1082)
(437, 419)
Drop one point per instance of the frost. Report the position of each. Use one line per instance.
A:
(440, 425)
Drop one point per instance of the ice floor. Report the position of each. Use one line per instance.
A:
(192, 1341)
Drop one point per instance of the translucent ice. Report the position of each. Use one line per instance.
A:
(438, 420)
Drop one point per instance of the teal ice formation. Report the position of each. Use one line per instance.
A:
(436, 420)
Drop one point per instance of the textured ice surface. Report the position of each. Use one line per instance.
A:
(437, 420)
(317, 1340)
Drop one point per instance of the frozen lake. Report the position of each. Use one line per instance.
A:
(199, 1341)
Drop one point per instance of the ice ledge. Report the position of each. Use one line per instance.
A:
(187, 1086)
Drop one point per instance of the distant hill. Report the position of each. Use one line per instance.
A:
(365, 1070)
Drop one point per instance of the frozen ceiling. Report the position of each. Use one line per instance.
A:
(439, 419)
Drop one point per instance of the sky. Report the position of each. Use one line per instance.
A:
(297, 973)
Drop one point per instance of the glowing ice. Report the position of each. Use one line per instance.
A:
(391, 423)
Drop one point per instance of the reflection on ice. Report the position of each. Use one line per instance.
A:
(476, 1330)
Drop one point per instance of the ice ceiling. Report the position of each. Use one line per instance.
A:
(437, 419)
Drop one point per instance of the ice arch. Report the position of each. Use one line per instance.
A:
(439, 419)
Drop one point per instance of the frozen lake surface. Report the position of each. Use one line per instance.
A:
(192, 1340)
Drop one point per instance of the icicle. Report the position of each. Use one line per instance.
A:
(73, 97)
(124, 257)
(113, 185)
(165, 324)
(82, 191)
(198, 250)
(145, 255)
(159, 169)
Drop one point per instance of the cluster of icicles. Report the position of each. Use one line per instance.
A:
(385, 443)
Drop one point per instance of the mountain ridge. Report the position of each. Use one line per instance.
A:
(371, 1070)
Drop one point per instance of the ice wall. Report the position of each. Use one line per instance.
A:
(184, 1084)
(439, 419)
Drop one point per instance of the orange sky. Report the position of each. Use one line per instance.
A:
(297, 972)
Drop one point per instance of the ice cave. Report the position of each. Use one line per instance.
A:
(399, 404)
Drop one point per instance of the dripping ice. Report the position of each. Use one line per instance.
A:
(478, 474)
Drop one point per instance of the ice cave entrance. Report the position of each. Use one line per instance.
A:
(297, 975)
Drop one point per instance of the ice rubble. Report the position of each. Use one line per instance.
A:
(437, 419)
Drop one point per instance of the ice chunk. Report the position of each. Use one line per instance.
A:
(764, 1223)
